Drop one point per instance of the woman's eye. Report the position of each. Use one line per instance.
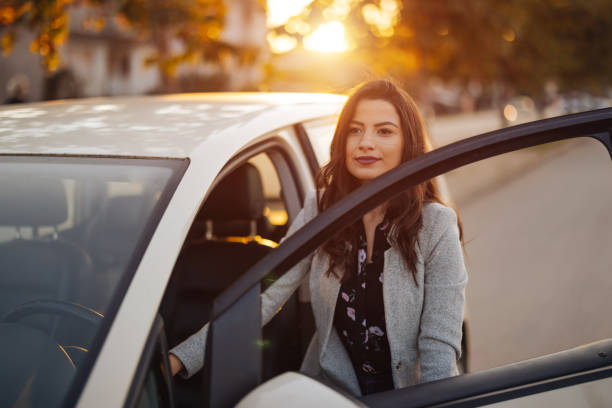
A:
(354, 130)
(385, 131)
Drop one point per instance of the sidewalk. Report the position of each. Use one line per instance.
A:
(470, 182)
(450, 128)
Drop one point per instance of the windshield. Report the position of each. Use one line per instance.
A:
(72, 231)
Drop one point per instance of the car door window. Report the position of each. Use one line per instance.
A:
(273, 223)
(320, 133)
(536, 228)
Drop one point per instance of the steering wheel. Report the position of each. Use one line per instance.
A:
(57, 307)
(31, 356)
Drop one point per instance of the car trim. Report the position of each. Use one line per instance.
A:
(569, 367)
(223, 387)
(156, 338)
(302, 135)
(85, 369)
(273, 144)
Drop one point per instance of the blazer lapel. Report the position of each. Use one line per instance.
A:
(397, 297)
(329, 289)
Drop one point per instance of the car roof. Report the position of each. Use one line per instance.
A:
(153, 126)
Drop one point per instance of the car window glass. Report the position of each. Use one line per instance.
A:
(536, 228)
(68, 237)
(320, 132)
(275, 212)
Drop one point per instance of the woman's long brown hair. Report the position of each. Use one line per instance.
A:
(404, 211)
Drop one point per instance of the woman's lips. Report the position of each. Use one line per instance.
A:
(365, 160)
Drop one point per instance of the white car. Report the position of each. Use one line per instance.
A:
(127, 223)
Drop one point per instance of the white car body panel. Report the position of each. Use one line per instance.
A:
(295, 390)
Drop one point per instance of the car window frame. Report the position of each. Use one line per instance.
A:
(307, 148)
(214, 387)
(324, 121)
(293, 193)
(277, 150)
(594, 124)
(155, 347)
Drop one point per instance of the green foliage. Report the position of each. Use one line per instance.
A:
(196, 23)
(46, 17)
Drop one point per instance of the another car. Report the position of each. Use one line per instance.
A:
(125, 224)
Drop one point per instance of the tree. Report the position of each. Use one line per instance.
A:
(197, 24)
(522, 43)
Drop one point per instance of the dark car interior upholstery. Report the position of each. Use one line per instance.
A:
(38, 267)
(118, 217)
(215, 254)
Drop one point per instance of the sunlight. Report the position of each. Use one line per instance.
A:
(327, 37)
(280, 44)
(382, 18)
(280, 11)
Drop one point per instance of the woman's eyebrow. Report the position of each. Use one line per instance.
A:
(385, 124)
(376, 125)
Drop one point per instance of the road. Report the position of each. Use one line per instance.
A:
(538, 236)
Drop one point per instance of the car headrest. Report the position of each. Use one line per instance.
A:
(110, 237)
(36, 201)
(121, 213)
(239, 196)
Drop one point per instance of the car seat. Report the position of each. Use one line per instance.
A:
(212, 258)
(111, 238)
(38, 267)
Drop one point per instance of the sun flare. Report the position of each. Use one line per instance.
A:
(328, 37)
(280, 11)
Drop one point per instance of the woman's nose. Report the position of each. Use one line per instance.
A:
(365, 141)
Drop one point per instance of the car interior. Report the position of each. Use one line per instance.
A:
(66, 240)
(231, 232)
(42, 202)
(38, 270)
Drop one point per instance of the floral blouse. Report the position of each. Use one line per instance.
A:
(359, 318)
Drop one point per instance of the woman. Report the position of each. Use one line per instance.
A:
(387, 292)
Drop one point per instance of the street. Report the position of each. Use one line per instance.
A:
(537, 229)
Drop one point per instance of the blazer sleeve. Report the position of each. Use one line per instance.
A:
(191, 351)
(439, 341)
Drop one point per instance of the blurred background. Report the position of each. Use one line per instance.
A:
(537, 222)
(524, 59)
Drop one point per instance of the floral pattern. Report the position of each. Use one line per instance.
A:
(360, 315)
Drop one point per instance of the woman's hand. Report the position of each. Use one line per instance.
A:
(175, 364)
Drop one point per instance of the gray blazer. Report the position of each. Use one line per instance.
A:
(423, 321)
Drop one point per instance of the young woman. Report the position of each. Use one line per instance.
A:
(387, 293)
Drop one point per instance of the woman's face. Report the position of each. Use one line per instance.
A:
(375, 142)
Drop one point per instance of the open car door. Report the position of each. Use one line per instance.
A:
(233, 357)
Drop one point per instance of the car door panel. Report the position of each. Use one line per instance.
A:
(543, 374)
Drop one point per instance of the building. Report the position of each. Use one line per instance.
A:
(110, 61)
